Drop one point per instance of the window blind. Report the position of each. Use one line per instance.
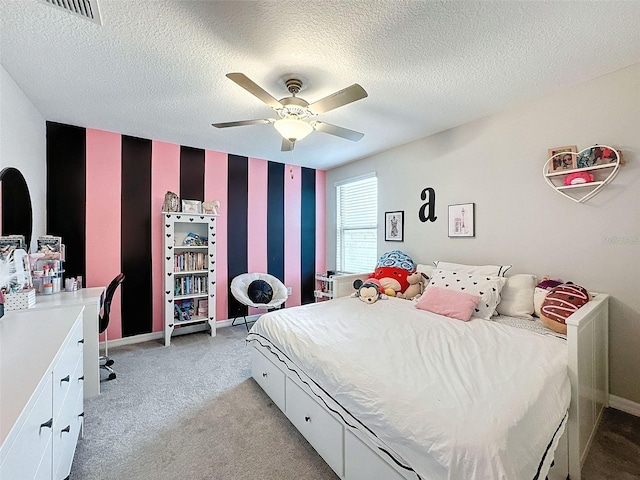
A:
(357, 225)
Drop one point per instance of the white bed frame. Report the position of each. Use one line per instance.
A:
(353, 456)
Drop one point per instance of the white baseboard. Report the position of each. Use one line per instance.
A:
(148, 337)
(624, 405)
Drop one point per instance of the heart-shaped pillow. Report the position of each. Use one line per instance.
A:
(599, 163)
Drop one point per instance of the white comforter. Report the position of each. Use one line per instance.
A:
(452, 400)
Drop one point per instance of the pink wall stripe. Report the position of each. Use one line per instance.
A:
(292, 212)
(257, 219)
(165, 176)
(216, 172)
(103, 163)
(321, 220)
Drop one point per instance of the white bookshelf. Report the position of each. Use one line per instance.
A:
(189, 272)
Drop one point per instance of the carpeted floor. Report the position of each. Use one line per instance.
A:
(192, 412)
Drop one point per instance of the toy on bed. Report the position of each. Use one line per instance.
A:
(392, 271)
(369, 291)
(560, 302)
(417, 284)
(541, 291)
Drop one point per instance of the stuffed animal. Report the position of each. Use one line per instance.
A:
(578, 178)
(211, 207)
(541, 291)
(392, 271)
(561, 302)
(369, 291)
(171, 202)
(417, 281)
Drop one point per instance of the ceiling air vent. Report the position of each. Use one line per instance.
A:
(87, 9)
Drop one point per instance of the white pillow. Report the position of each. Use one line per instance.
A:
(490, 270)
(426, 269)
(539, 294)
(517, 296)
(487, 287)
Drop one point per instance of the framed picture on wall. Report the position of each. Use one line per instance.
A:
(562, 158)
(462, 220)
(394, 226)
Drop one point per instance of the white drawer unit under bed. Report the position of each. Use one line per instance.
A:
(352, 456)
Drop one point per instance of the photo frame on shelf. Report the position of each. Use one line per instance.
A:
(462, 220)
(191, 206)
(394, 226)
(563, 158)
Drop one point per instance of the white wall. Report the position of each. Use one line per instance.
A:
(496, 162)
(23, 145)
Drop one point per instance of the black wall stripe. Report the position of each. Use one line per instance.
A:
(308, 235)
(66, 192)
(135, 239)
(275, 220)
(191, 173)
(237, 221)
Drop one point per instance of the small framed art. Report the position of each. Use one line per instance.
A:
(462, 220)
(394, 226)
(563, 158)
(191, 206)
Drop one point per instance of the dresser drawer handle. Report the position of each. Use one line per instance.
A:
(47, 424)
(81, 414)
(81, 341)
(81, 378)
(264, 374)
(307, 419)
(66, 429)
(65, 379)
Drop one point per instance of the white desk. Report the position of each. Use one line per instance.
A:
(90, 298)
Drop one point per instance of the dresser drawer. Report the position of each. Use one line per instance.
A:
(66, 431)
(33, 440)
(318, 426)
(269, 377)
(66, 367)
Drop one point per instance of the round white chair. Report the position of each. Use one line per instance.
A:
(240, 286)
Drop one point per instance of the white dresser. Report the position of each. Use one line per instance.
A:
(41, 392)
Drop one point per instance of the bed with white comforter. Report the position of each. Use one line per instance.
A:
(445, 398)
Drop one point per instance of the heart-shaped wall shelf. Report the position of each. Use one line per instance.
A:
(581, 175)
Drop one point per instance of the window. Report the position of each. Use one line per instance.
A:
(357, 224)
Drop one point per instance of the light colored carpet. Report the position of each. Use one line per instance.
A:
(190, 411)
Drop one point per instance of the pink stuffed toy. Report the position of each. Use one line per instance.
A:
(577, 178)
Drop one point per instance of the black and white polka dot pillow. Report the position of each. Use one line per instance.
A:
(486, 287)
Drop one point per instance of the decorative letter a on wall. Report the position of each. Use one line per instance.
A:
(431, 204)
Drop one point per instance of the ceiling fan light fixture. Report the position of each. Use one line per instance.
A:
(293, 129)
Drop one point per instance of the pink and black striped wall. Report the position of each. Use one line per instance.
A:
(104, 197)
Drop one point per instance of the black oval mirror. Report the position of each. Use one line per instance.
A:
(16, 204)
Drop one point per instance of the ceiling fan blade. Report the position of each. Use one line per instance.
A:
(338, 131)
(338, 99)
(287, 145)
(253, 88)
(260, 121)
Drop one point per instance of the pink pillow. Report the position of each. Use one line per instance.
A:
(450, 303)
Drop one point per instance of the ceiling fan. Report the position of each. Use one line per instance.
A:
(296, 116)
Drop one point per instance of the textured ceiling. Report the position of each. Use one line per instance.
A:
(156, 69)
